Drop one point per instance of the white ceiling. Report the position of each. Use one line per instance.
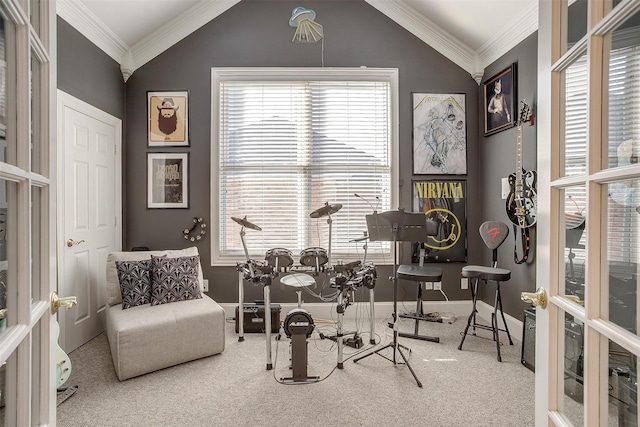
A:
(472, 33)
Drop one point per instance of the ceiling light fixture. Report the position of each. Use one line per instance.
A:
(307, 30)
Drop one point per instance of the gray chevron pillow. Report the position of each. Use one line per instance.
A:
(135, 282)
(174, 279)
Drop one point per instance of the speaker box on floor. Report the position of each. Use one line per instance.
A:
(574, 345)
(253, 318)
(528, 358)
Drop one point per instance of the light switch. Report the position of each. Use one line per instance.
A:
(505, 188)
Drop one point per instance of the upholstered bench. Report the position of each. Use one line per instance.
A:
(144, 337)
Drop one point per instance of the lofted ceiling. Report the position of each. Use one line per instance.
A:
(471, 33)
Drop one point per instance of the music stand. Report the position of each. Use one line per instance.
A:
(396, 226)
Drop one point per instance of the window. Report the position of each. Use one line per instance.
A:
(624, 115)
(285, 142)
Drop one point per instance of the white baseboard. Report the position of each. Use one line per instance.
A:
(325, 310)
(515, 325)
(384, 309)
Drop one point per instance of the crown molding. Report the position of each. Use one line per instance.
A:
(510, 35)
(431, 34)
(83, 20)
(132, 58)
(179, 28)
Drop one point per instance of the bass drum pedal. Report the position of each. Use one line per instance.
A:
(298, 326)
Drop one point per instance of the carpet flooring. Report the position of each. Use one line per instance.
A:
(460, 388)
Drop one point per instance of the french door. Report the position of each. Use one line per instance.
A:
(588, 112)
(27, 203)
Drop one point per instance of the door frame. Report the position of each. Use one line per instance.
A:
(553, 58)
(546, 348)
(66, 100)
(28, 344)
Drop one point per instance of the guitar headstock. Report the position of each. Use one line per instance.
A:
(525, 114)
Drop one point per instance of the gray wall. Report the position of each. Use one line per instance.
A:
(498, 160)
(88, 73)
(256, 33)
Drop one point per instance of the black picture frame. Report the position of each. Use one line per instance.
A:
(167, 180)
(500, 107)
(444, 201)
(439, 133)
(168, 118)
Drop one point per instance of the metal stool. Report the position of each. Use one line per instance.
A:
(493, 234)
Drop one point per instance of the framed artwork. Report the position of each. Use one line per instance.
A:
(167, 180)
(499, 101)
(443, 201)
(167, 119)
(439, 134)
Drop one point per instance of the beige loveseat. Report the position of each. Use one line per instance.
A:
(145, 338)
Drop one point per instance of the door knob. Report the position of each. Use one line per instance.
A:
(57, 302)
(72, 242)
(575, 298)
(537, 298)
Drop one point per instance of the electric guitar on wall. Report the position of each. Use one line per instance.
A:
(521, 202)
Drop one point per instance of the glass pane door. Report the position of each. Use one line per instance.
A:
(27, 392)
(593, 196)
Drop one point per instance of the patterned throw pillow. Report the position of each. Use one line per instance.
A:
(174, 279)
(135, 282)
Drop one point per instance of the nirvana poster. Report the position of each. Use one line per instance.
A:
(443, 201)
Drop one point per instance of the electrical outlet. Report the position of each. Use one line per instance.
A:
(428, 285)
(464, 283)
(205, 285)
(437, 286)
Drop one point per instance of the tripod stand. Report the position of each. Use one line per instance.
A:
(396, 226)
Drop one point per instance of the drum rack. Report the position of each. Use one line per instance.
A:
(347, 281)
(279, 261)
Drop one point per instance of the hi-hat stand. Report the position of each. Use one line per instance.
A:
(396, 226)
(256, 273)
(244, 270)
(372, 334)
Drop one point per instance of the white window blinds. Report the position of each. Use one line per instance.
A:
(624, 116)
(288, 147)
(624, 137)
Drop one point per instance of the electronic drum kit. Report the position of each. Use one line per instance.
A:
(279, 262)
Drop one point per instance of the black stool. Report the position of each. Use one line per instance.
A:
(493, 234)
(420, 273)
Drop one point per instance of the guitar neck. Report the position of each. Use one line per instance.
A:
(518, 184)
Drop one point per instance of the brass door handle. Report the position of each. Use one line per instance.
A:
(575, 298)
(57, 302)
(72, 242)
(537, 298)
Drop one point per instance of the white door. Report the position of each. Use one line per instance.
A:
(27, 216)
(588, 115)
(89, 213)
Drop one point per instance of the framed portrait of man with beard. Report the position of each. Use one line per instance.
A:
(168, 118)
(499, 94)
